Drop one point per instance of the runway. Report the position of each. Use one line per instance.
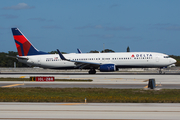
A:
(119, 111)
(84, 85)
(100, 80)
(69, 111)
(85, 73)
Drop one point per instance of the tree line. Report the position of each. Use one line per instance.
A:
(6, 61)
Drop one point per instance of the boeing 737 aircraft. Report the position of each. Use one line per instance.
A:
(105, 62)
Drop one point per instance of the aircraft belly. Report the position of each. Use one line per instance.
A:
(138, 64)
(57, 64)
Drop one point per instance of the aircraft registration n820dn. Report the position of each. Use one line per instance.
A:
(104, 62)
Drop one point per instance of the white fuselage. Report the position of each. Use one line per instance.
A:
(120, 60)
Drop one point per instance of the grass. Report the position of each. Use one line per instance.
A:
(28, 79)
(95, 95)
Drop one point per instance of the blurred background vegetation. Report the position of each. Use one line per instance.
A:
(6, 61)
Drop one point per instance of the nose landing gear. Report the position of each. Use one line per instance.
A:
(160, 71)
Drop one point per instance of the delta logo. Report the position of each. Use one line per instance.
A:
(141, 55)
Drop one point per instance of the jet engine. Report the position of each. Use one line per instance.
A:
(107, 68)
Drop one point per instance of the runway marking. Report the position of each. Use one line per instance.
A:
(146, 86)
(72, 104)
(22, 77)
(156, 85)
(146, 80)
(12, 85)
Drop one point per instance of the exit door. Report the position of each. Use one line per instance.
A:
(157, 59)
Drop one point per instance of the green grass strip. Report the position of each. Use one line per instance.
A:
(28, 79)
(95, 95)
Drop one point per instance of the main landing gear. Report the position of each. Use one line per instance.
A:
(160, 71)
(92, 71)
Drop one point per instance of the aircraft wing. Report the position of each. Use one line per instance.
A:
(79, 64)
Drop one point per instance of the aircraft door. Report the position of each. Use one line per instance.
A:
(39, 61)
(157, 59)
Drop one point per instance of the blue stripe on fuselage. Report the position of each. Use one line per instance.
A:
(21, 45)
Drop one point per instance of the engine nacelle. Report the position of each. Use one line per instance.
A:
(107, 68)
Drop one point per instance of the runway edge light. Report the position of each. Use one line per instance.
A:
(85, 100)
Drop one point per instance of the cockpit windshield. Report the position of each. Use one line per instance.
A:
(166, 57)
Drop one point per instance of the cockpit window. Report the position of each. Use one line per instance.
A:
(166, 56)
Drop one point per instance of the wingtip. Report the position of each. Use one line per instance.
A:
(60, 55)
(79, 51)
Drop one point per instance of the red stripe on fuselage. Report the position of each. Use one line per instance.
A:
(26, 44)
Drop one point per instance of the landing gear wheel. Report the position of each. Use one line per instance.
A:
(92, 71)
(160, 71)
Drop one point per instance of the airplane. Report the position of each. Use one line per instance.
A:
(104, 62)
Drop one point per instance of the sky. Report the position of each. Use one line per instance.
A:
(143, 25)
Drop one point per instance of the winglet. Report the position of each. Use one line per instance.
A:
(60, 55)
(79, 51)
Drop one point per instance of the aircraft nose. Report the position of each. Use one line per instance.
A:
(173, 61)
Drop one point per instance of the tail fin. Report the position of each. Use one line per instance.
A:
(24, 47)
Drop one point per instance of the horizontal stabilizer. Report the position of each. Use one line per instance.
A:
(18, 57)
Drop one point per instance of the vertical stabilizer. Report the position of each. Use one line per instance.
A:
(24, 47)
